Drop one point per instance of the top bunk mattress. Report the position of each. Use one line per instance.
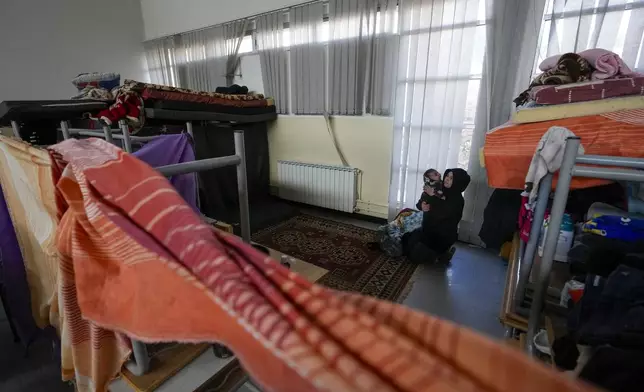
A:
(158, 92)
(49, 110)
(509, 148)
(577, 109)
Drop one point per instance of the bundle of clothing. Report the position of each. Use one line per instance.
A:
(128, 104)
(605, 343)
(133, 259)
(588, 65)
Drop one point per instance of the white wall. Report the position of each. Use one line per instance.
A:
(45, 43)
(167, 17)
(365, 142)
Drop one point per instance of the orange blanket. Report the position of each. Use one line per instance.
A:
(144, 264)
(509, 148)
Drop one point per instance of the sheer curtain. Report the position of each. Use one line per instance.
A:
(160, 58)
(383, 50)
(575, 25)
(233, 34)
(512, 31)
(202, 59)
(307, 59)
(349, 29)
(441, 51)
(273, 58)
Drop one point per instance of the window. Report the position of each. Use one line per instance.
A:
(577, 25)
(246, 45)
(442, 50)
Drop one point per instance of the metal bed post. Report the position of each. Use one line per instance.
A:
(16, 129)
(242, 186)
(64, 129)
(141, 362)
(189, 129)
(127, 143)
(192, 135)
(550, 245)
(108, 134)
(527, 258)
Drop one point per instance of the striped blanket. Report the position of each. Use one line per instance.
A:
(138, 261)
(509, 148)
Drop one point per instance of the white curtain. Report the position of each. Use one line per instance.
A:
(383, 50)
(202, 59)
(233, 34)
(442, 45)
(307, 59)
(575, 25)
(461, 63)
(362, 51)
(512, 31)
(273, 58)
(349, 29)
(160, 57)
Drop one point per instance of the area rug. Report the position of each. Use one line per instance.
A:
(342, 250)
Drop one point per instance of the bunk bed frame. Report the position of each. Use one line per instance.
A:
(621, 169)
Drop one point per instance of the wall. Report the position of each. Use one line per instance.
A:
(167, 17)
(365, 141)
(45, 44)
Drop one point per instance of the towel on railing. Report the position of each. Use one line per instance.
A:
(138, 260)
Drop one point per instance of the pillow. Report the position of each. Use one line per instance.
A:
(107, 80)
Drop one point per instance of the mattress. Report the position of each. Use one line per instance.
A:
(587, 91)
(208, 107)
(577, 109)
(184, 115)
(215, 99)
(49, 110)
(150, 91)
(509, 148)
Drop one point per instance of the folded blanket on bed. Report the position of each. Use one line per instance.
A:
(104, 80)
(570, 68)
(606, 64)
(140, 86)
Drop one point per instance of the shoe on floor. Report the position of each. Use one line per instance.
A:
(446, 257)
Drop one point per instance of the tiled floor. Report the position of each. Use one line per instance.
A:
(34, 371)
(467, 292)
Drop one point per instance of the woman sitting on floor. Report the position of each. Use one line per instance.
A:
(439, 231)
(424, 235)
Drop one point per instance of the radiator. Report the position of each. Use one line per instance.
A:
(325, 186)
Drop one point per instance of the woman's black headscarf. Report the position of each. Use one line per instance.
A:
(459, 183)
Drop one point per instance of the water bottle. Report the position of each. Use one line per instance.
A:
(565, 239)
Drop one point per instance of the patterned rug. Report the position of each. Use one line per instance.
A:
(342, 250)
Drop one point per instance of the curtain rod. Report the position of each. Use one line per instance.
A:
(238, 19)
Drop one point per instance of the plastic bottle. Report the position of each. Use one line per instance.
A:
(565, 239)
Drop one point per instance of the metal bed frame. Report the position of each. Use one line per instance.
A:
(570, 168)
(140, 364)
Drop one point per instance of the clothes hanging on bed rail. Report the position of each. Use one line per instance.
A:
(26, 178)
(13, 279)
(170, 149)
(136, 259)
